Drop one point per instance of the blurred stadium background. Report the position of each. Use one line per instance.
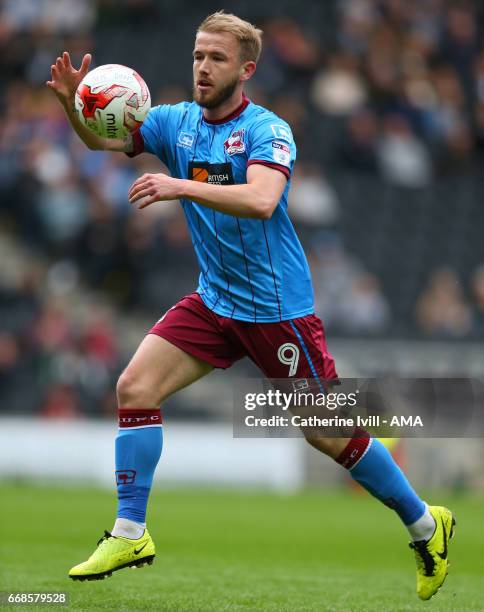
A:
(386, 100)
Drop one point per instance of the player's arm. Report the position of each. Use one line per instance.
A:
(255, 199)
(64, 83)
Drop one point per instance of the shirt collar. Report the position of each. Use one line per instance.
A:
(238, 111)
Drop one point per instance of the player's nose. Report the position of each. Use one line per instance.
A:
(204, 67)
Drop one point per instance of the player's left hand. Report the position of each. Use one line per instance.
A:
(152, 188)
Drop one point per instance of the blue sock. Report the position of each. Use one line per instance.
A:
(374, 468)
(138, 449)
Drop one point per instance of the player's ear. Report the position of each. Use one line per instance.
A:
(247, 70)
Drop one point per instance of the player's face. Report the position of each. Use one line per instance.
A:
(217, 69)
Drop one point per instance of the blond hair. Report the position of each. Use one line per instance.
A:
(249, 37)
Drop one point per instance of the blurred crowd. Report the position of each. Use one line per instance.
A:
(388, 90)
(59, 351)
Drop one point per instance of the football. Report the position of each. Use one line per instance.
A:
(112, 100)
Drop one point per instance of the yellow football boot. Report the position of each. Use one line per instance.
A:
(431, 555)
(112, 554)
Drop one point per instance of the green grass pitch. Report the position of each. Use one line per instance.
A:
(222, 550)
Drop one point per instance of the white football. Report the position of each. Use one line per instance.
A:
(112, 100)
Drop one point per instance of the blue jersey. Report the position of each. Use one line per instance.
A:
(250, 269)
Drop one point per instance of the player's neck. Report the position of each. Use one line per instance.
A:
(228, 110)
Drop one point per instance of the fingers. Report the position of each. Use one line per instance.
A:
(86, 61)
(135, 187)
(149, 191)
(64, 63)
(130, 121)
(141, 188)
(149, 188)
(54, 74)
(141, 183)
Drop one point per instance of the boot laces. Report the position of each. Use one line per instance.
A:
(105, 537)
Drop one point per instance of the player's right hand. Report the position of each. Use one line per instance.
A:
(65, 78)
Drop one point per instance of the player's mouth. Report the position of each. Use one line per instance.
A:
(204, 85)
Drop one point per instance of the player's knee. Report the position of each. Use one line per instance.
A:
(132, 392)
(125, 388)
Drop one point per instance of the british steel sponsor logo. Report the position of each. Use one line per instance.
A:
(213, 174)
(235, 143)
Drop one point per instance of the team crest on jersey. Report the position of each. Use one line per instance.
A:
(235, 143)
